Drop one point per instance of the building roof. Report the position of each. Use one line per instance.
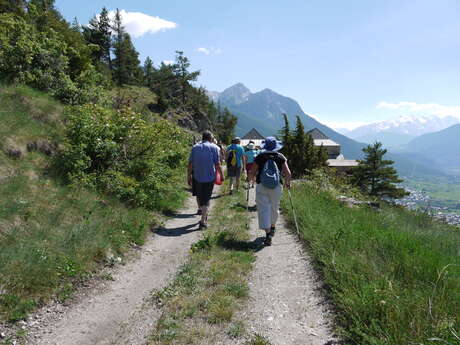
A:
(342, 162)
(325, 142)
(253, 134)
(317, 134)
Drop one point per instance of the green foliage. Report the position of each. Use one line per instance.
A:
(393, 275)
(51, 235)
(376, 176)
(119, 152)
(299, 149)
(41, 59)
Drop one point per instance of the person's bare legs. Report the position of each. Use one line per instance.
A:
(204, 214)
(232, 182)
(198, 204)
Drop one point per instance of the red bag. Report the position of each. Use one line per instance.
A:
(218, 180)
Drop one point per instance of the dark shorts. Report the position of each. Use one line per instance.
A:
(233, 171)
(202, 191)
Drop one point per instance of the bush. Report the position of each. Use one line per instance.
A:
(41, 59)
(120, 153)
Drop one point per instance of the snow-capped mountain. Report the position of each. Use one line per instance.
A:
(410, 125)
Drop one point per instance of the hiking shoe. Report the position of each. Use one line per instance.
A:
(231, 192)
(268, 240)
(199, 212)
(202, 226)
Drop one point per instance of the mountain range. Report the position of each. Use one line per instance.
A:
(263, 110)
(401, 130)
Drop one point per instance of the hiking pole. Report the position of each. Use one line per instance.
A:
(247, 204)
(293, 212)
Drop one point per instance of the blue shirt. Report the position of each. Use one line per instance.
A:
(239, 153)
(250, 155)
(204, 157)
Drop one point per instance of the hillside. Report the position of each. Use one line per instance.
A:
(53, 234)
(263, 110)
(440, 147)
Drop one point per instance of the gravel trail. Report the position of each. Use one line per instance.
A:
(120, 312)
(285, 305)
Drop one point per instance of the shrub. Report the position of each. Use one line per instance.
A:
(120, 153)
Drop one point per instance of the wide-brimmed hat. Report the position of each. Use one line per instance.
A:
(251, 146)
(236, 140)
(271, 144)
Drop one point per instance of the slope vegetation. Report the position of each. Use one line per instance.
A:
(53, 235)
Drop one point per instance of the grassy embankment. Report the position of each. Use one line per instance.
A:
(202, 301)
(51, 235)
(394, 275)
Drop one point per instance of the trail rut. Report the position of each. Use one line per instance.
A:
(121, 313)
(285, 304)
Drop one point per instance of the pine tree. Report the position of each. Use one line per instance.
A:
(285, 135)
(376, 176)
(299, 147)
(149, 73)
(126, 69)
(321, 157)
(184, 77)
(12, 6)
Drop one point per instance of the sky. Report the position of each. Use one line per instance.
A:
(347, 62)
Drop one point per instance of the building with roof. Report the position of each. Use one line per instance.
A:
(336, 159)
(252, 135)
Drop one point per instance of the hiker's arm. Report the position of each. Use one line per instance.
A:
(287, 175)
(189, 173)
(219, 169)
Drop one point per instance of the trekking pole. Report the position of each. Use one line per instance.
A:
(247, 203)
(293, 212)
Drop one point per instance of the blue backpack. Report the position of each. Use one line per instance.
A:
(270, 174)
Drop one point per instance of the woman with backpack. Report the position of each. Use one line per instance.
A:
(269, 168)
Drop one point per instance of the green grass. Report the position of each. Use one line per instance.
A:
(210, 288)
(52, 236)
(394, 275)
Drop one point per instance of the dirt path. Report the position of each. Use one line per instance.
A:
(120, 314)
(285, 304)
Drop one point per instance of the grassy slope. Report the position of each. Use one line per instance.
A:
(51, 235)
(393, 275)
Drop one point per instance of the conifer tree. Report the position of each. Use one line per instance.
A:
(321, 157)
(375, 175)
(299, 147)
(126, 68)
(12, 6)
(184, 77)
(149, 73)
(285, 135)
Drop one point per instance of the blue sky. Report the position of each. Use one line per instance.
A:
(344, 61)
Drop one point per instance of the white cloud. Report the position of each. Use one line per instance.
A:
(422, 108)
(168, 62)
(138, 24)
(209, 51)
(205, 51)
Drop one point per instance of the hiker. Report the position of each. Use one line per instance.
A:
(235, 162)
(268, 167)
(203, 163)
(250, 154)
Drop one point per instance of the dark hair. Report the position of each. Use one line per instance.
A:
(207, 136)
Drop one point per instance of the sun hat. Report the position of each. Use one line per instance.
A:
(236, 140)
(251, 146)
(271, 144)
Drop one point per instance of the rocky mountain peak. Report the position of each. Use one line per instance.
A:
(235, 94)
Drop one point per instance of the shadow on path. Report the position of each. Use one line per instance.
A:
(175, 232)
(254, 246)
